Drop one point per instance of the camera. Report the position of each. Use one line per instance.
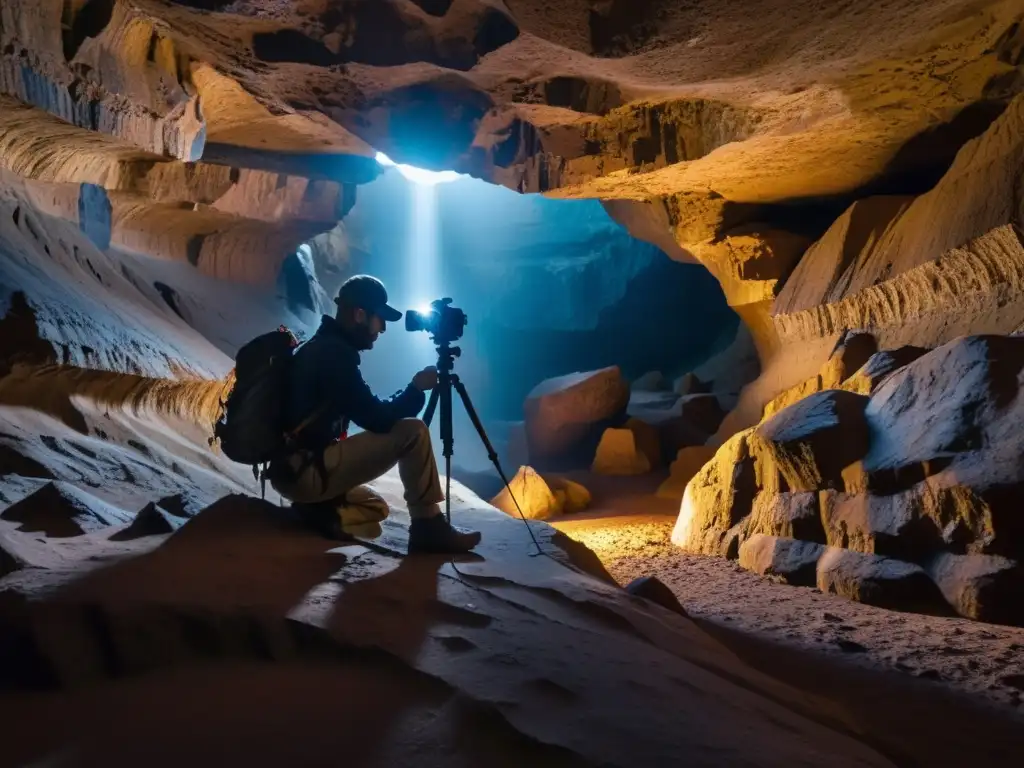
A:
(443, 322)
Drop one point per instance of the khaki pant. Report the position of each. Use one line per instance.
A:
(362, 458)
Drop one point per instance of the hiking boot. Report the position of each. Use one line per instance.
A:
(323, 518)
(434, 535)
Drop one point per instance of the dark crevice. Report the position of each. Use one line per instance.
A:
(170, 296)
(922, 162)
(434, 7)
(90, 21)
(20, 341)
(194, 249)
(292, 46)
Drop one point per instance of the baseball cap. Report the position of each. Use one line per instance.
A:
(367, 293)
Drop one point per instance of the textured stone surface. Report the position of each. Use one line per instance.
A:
(570, 413)
(619, 453)
(531, 495)
(687, 463)
(794, 562)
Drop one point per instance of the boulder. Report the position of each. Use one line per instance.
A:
(536, 499)
(876, 580)
(931, 516)
(982, 587)
(566, 416)
(807, 446)
(59, 509)
(791, 561)
(691, 421)
(952, 400)
(652, 381)
(575, 497)
(619, 454)
(718, 498)
(647, 441)
(869, 376)
(789, 515)
(690, 384)
(653, 589)
(688, 463)
(852, 350)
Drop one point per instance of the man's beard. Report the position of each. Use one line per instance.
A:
(362, 337)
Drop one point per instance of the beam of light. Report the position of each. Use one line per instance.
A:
(418, 175)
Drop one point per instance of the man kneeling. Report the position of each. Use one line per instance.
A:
(326, 470)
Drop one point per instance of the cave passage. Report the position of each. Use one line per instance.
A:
(550, 286)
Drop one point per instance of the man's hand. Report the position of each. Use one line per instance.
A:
(425, 379)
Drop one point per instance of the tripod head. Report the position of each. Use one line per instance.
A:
(446, 355)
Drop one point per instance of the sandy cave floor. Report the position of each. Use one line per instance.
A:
(629, 528)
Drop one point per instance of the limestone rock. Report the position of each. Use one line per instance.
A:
(852, 350)
(788, 515)
(647, 440)
(691, 420)
(982, 587)
(574, 496)
(875, 580)
(820, 277)
(652, 381)
(794, 562)
(619, 454)
(535, 498)
(866, 379)
(970, 382)
(59, 509)
(718, 497)
(931, 516)
(566, 416)
(653, 589)
(688, 463)
(806, 446)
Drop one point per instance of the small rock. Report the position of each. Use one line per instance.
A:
(619, 454)
(849, 646)
(651, 588)
(535, 497)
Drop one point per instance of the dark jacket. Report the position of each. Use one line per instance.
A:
(325, 375)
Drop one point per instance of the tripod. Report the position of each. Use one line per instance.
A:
(442, 394)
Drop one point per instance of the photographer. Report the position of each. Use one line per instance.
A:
(325, 472)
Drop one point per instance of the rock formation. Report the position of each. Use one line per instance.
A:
(565, 417)
(900, 494)
(172, 177)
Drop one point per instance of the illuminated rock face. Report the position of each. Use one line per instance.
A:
(899, 499)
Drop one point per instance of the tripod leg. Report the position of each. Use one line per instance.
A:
(431, 405)
(491, 453)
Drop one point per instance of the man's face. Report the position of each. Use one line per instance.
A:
(368, 327)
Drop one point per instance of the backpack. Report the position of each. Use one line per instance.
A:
(251, 428)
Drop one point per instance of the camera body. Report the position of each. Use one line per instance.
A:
(443, 322)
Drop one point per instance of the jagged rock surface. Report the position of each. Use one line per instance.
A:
(896, 497)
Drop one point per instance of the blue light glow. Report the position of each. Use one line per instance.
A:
(418, 175)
